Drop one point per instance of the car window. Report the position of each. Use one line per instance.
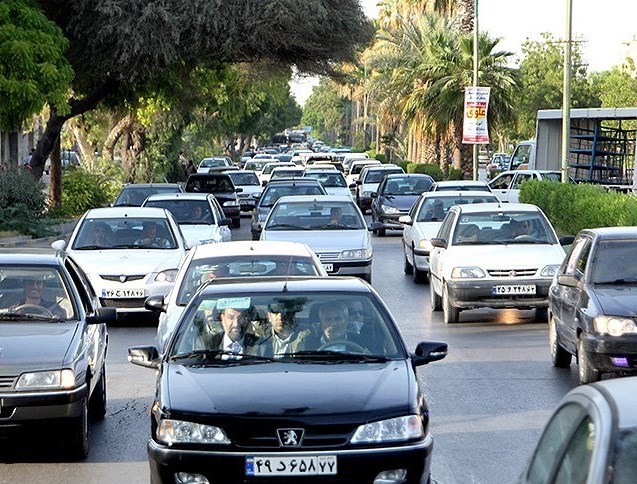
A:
(217, 210)
(124, 233)
(83, 287)
(212, 162)
(317, 325)
(625, 465)
(528, 227)
(415, 208)
(445, 229)
(576, 460)
(245, 179)
(435, 208)
(328, 179)
(273, 192)
(614, 260)
(313, 215)
(255, 165)
(376, 176)
(571, 261)
(186, 212)
(521, 178)
(135, 196)
(501, 182)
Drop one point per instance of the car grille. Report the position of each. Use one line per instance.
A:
(7, 381)
(328, 256)
(512, 272)
(316, 437)
(128, 278)
(123, 303)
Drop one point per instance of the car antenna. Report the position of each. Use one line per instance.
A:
(287, 274)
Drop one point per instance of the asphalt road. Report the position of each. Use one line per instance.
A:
(488, 399)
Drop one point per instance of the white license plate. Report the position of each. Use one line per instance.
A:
(514, 289)
(329, 267)
(302, 465)
(123, 293)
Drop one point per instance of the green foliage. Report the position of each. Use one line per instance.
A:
(33, 69)
(571, 207)
(18, 187)
(83, 190)
(403, 164)
(19, 218)
(455, 173)
(616, 88)
(325, 110)
(434, 171)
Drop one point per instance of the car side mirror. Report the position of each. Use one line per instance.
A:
(568, 280)
(146, 356)
(225, 222)
(405, 219)
(264, 183)
(102, 316)
(155, 303)
(359, 182)
(238, 190)
(59, 245)
(256, 196)
(567, 240)
(441, 243)
(428, 351)
(352, 186)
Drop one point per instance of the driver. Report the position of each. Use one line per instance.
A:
(34, 296)
(334, 318)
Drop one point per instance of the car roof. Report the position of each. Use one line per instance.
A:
(32, 256)
(297, 180)
(499, 207)
(460, 183)
(119, 212)
(150, 185)
(459, 193)
(250, 247)
(620, 392)
(613, 232)
(246, 286)
(317, 198)
(179, 196)
(541, 172)
(392, 176)
(374, 167)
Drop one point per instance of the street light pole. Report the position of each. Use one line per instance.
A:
(475, 78)
(566, 100)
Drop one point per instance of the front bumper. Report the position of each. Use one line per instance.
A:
(478, 293)
(353, 465)
(390, 221)
(421, 259)
(602, 349)
(124, 304)
(360, 268)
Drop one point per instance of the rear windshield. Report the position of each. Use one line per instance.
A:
(132, 196)
(273, 193)
(407, 185)
(328, 179)
(186, 212)
(215, 184)
(245, 179)
(434, 209)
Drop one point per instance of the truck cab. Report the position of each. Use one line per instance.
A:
(523, 158)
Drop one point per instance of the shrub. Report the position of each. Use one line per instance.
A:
(83, 190)
(455, 173)
(19, 218)
(402, 164)
(434, 171)
(17, 186)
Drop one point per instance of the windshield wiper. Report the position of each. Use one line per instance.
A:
(335, 355)
(332, 227)
(92, 247)
(13, 316)
(285, 226)
(522, 241)
(208, 355)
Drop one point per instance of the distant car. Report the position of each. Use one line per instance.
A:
(422, 224)
(128, 253)
(591, 437)
(332, 180)
(276, 190)
(394, 197)
(266, 173)
(53, 337)
(459, 185)
(222, 187)
(507, 184)
(251, 189)
(356, 167)
(234, 259)
(368, 181)
(256, 165)
(134, 194)
(332, 226)
(348, 410)
(199, 216)
(489, 255)
(286, 172)
(215, 162)
(593, 303)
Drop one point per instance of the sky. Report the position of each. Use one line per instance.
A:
(605, 30)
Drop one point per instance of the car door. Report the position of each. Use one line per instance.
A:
(410, 232)
(500, 185)
(513, 193)
(437, 254)
(377, 199)
(217, 212)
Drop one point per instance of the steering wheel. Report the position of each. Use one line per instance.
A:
(34, 308)
(349, 346)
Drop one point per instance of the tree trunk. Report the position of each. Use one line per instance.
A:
(126, 156)
(114, 135)
(87, 153)
(55, 186)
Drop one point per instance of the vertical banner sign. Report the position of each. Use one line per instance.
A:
(476, 105)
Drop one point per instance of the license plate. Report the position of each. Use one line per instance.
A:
(329, 267)
(123, 293)
(514, 289)
(302, 465)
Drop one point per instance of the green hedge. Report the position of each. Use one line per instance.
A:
(83, 190)
(571, 207)
(18, 187)
(434, 171)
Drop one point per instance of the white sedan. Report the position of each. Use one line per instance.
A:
(128, 253)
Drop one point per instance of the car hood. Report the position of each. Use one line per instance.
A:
(322, 240)
(369, 187)
(291, 388)
(513, 256)
(123, 261)
(616, 300)
(29, 345)
(428, 230)
(194, 234)
(249, 190)
(401, 202)
(344, 191)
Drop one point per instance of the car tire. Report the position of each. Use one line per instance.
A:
(436, 301)
(97, 402)
(585, 372)
(450, 313)
(559, 356)
(76, 440)
(541, 315)
(407, 267)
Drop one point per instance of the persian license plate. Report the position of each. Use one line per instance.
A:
(302, 465)
(514, 289)
(123, 293)
(329, 267)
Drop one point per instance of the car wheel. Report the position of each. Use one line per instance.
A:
(559, 356)
(586, 373)
(451, 314)
(76, 444)
(97, 403)
(407, 268)
(420, 277)
(541, 315)
(436, 301)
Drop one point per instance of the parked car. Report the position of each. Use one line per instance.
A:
(368, 181)
(394, 197)
(423, 222)
(459, 185)
(332, 180)
(53, 339)
(593, 304)
(507, 184)
(251, 189)
(199, 216)
(332, 226)
(128, 253)
(591, 437)
(234, 259)
(215, 162)
(494, 256)
(321, 410)
(276, 190)
(222, 187)
(134, 194)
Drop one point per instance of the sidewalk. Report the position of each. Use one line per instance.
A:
(62, 230)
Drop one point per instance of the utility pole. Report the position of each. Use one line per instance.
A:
(566, 100)
(475, 78)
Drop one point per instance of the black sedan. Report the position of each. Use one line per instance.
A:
(593, 304)
(288, 381)
(53, 341)
(590, 438)
(224, 190)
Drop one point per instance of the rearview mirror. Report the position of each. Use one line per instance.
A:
(59, 245)
(441, 243)
(428, 351)
(155, 303)
(102, 316)
(146, 356)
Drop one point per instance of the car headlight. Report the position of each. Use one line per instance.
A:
(230, 203)
(550, 271)
(172, 431)
(46, 380)
(388, 209)
(467, 273)
(356, 254)
(614, 326)
(391, 430)
(168, 275)
(425, 244)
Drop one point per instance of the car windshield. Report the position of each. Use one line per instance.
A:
(210, 184)
(124, 233)
(463, 188)
(245, 179)
(255, 165)
(376, 176)
(492, 228)
(36, 293)
(186, 212)
(212, 162)
(407, 185)
(273, 192)
(356, 168)
(625, 465)
(553, 176)
(328, 179)
(300, 327)
(313, 215)
(135, 196)
(434, 209)
(613, 262)
(204, 270)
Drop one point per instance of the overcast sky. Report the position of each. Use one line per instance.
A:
(605, 26)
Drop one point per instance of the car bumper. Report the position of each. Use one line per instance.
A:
(353, 466)
(611, 353)
(479, 294)
(23, 408)
(360, 268)
(233, 211)
(390, 221)
(421, 259)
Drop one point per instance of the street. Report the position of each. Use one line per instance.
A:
(488, 399)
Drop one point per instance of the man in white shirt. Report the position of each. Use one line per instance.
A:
(234, 338)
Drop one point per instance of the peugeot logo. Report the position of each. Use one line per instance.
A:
(122, 278)
(290, 437)
(513, 273)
